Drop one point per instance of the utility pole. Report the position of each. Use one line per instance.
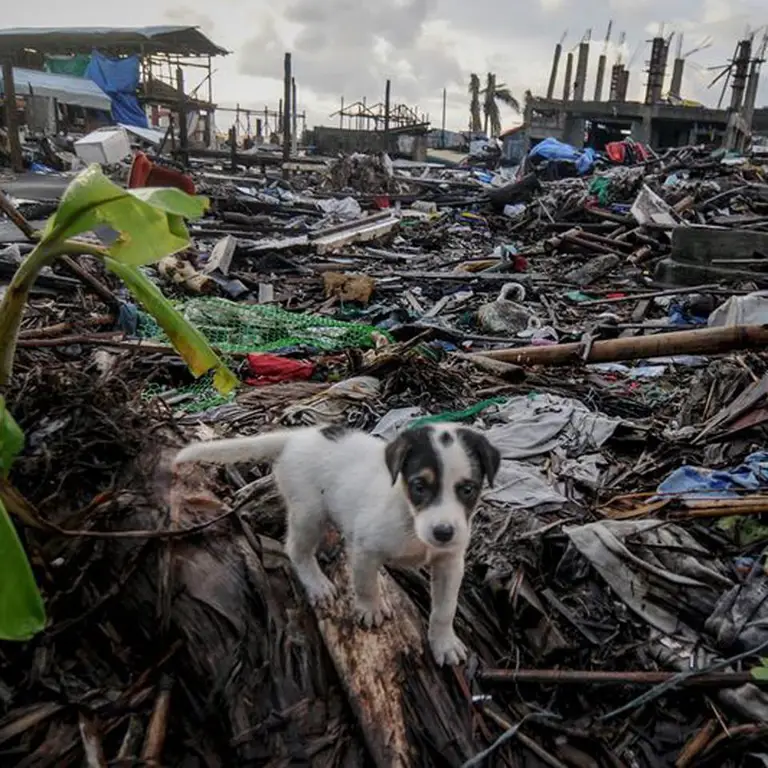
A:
(287, 78)
(294, 124)
(442, 130)
(386, 116)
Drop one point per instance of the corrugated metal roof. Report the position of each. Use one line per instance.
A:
(185, 41)
(78, 91)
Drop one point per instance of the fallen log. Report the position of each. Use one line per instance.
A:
(709, 341)
(253, 680)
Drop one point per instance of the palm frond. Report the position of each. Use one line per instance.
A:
(504, 95)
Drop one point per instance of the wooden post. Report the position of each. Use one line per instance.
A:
(294, 118)
(341, 115)
(386, 116)
(11, 122)
(286, 114)
(183, 138)
(233, 148)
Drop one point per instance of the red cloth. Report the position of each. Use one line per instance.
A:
(272, 369)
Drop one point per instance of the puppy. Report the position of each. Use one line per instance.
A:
(408, 502)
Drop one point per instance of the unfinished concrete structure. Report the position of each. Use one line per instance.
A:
(582, 64)
(659, 121)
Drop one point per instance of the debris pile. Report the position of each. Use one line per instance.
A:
(604, 324)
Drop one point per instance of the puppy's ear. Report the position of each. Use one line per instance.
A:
(396, 453)
(486, 454)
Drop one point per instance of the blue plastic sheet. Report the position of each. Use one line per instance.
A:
(680, 315)
(700, 483)
(119, 79)
(552, 149)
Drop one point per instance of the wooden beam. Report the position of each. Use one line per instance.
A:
(183, 137)
(287, 79)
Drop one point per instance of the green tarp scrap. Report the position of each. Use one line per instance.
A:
(68, 65)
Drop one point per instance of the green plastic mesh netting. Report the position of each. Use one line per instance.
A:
(232, 327)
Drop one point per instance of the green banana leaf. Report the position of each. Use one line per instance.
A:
(11, 439)
(149, 221)
(188, 341)
(22, 613)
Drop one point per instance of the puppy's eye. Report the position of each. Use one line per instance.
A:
(418, 488)
(466, 491)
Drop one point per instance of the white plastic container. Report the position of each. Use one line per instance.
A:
(106, 146)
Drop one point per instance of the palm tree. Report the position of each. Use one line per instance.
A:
(492, 94)
(475, 119)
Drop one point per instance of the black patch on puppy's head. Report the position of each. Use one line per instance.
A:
(485, 457)
(412, 455)
(334, 432)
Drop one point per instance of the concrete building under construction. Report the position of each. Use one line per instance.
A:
(662, 119)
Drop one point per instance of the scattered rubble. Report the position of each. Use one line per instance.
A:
(606, 324)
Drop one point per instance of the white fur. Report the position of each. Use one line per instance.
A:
(347, 481)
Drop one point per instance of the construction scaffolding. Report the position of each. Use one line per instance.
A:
(375, 117)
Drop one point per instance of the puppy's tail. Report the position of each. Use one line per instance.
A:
(236, 449)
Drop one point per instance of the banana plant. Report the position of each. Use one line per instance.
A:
(149, 224)
(22, 614)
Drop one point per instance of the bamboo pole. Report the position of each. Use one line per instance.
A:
(709, 341)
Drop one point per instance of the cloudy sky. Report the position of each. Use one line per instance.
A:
(350, 47)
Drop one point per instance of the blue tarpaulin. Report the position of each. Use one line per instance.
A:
(698, 482)
(119, 79)
(552, 149)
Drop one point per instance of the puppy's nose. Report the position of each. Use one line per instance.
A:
(443, 533)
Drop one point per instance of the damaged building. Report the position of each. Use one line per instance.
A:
(662, 119)
(77, 79)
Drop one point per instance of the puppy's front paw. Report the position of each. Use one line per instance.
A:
(447, 648)
(320, 593)
(372, 614)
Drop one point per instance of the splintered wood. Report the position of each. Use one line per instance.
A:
(369, 664)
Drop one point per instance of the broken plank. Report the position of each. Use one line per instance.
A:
(221, 256)
(389, 675)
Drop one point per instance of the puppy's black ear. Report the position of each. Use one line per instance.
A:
(396, 453)
(486, 454)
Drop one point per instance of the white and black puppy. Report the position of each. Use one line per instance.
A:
(408, 502)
